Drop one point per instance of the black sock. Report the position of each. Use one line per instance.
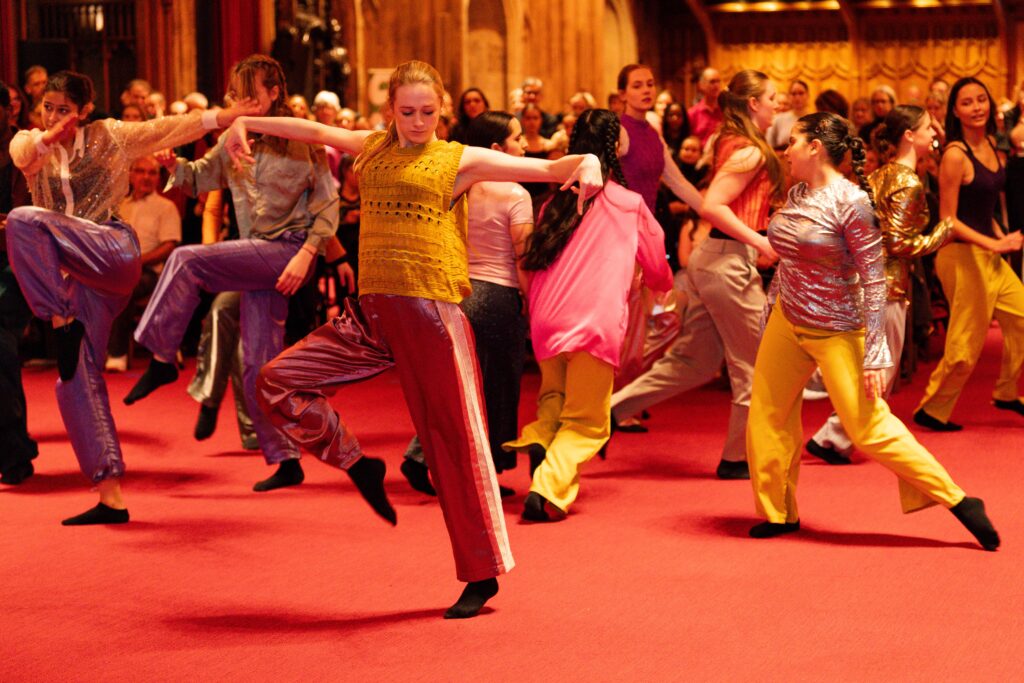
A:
(69, 343)
(537, 455)
(925, 420)
(772, 529)
(418, 476)
(730, 469)
(1015, 405)
(155, 376)
(101, 514)
(368, 475)
(289, 473)
(206, 425)
(473, 598)
(505, 491)
(971, 513)
(15, 474)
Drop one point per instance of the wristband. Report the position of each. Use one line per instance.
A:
(338, 261)
(312, 252)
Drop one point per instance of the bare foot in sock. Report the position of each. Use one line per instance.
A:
(473, 598)
(368, 475)
(971, 513)
(155, 376)
(289, 473)
(101, 514)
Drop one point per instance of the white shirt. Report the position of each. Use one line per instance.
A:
(155, 220)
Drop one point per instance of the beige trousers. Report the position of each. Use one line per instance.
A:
(722, 321)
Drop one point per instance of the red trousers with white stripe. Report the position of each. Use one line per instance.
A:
(431, 345)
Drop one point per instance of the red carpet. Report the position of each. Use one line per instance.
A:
(651, 578)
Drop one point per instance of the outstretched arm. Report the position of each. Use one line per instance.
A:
(311, 132)
(677, 182)
(478, 164)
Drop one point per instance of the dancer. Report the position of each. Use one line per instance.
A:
(286, 216)
(646, 164)
(830, 288)
(905, 135)
(77, 173)
(500, 220)
(578, 311)
(977, 282)
(724, 293)
(413, 273)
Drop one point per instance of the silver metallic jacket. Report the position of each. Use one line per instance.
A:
(831, 273)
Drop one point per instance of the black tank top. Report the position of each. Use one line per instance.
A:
(978, 199)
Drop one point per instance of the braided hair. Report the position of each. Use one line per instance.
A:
(836, 135)
(596, 132)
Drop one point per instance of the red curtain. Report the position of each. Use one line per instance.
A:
(238, 30)
(8, 43)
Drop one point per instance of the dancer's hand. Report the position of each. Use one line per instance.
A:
(767, 254)
(62, 131)
(294, 274)
(247, 107)
(1009, 243)
(168, 159)
(588, 175)
(347, 277)
(874, 383)
(238, 145)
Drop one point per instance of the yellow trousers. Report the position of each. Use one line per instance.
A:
(979, 285)
(573, 422)
(785, 360)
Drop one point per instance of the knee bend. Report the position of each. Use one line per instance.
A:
(24, 218)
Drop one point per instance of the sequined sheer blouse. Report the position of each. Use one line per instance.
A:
(91, 180)
(831, 273)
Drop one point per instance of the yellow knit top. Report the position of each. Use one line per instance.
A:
(412, 241)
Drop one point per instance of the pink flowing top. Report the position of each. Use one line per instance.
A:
(580, 302)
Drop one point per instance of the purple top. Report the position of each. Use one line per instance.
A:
(978, 199)
(645, 161)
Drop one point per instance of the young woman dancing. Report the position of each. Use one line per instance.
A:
(413, 273)
(77, 173)
(287, 213)
(905, 135)
(831, 290)
(724, 293)
(978, 283)
(578, 296)
(500, 220)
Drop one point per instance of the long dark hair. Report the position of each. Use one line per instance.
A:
(491, 127)
(836, 135)
(596, 132)
(955, 129)
(885, 138)
(74, 86)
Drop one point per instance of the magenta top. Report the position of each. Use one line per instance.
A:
(580, 302)
(645, 160)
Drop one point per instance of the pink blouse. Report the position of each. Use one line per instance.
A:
(579, 303)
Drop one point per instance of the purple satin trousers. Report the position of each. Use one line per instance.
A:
(431, 345)
(249, 266)
(102, 266)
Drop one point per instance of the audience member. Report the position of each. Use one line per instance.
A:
(706, 115)
(833, 102)
(472, 103)
(157, 224)
(533, 93)
(883, 99)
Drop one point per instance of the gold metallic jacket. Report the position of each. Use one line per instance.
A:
(903, 216)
